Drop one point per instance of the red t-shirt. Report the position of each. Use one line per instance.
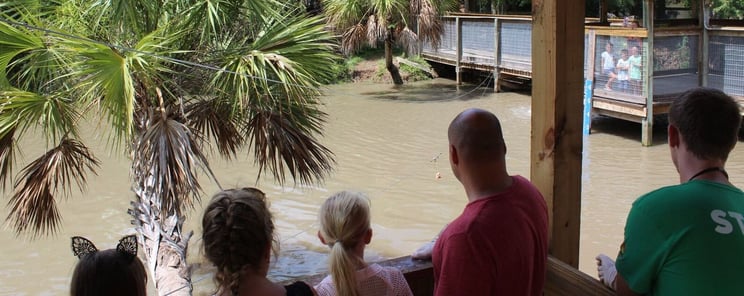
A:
(497, 246)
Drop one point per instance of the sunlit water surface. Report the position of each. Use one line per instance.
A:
(389, 143)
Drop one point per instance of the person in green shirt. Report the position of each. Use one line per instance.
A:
(687, 239)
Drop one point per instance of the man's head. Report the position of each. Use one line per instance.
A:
(707, 121)
(608, 46)
(475, 141)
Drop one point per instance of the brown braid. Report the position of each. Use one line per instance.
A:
(237, 230)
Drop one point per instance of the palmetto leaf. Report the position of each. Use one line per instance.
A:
(168, 152)
(33, 207)
(283, 137)
(214, 119)
(7, 157)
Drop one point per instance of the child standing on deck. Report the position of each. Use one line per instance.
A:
(608, 66)
(345, 228)
(623, 64)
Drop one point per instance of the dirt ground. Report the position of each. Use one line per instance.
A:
(366, 71)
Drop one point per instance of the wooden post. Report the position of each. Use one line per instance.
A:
(557, 105)
(591, 54)
(458, 54)
(704, 45)
(496, 55)
(647, 123)
(603, 12)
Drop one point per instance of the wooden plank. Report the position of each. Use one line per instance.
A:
(616, 106)
(618, 31)
(562, 279)
(496, 54)
(556, 141)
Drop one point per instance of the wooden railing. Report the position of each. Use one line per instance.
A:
(560, 278)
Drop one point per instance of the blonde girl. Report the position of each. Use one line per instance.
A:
(345, 228)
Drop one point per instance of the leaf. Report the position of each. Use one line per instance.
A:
(33, 207)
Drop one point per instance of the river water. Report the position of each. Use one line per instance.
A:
(389, 143)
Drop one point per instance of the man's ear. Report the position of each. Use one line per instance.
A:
(322, 240)
(453, 155)
(673, 136)
(368, 236)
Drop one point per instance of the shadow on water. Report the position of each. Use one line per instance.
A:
(630, 130)
(430, 92)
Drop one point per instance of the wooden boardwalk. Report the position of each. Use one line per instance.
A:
(502, 45)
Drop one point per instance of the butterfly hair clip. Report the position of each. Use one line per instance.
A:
(82, 247)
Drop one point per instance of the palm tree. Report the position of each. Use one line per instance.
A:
(170, 78)
(367, 22)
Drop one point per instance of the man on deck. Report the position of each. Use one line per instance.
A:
(498, 245)
(687, 239)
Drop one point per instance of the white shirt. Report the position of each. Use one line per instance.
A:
(374, 280)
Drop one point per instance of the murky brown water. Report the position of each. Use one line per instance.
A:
(384, 140)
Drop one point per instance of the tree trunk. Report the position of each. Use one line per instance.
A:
(164, 245)
(161, 238)
(394, 73)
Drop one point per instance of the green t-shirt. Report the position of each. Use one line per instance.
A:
(686, 239)
(635, 67)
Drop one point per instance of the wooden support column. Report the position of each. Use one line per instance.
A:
(496, 55)
(458, 53)
(557, 105)
(647, 123)
(703, 67)
(603, 12)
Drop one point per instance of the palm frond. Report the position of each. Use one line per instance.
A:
(214, 119)
(13, 42)
(106, 78)
(430, 23)
(56, 115)
(284, 138)
(407, 38)
(343, 14)
(7, 157)
(355, 38)
(130, 17)
(168, 152)
(33, 207)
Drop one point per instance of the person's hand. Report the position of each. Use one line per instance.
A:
(606, 270)
(424, 252)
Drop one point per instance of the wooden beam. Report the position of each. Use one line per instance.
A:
(458, 53)
(647, 124)
(556, 140)
(562, 279)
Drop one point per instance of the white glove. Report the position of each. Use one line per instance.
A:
(424, 252)
(606, 270)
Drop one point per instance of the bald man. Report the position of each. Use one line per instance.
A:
(498, 245)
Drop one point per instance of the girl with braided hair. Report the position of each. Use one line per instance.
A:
(238, 238)
(345, 228)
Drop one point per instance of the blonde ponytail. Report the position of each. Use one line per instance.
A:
(344, 222)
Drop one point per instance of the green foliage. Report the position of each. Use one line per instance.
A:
(728, 9)
(186, 74)
(416, 74)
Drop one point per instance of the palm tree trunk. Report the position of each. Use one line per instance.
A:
(162, 241)
(164, 246)
(394, 73)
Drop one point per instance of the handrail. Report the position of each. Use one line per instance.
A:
(560, 278)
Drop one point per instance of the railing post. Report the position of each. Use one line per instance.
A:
(648, 51)
(496, 54)
(704, 45)
(458, 70)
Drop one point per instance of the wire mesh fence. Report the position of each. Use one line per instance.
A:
(619, 71)
(726, 64)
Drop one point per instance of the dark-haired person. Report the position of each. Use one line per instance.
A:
(238, 237)
(499, 244)
(116, 272)
(687, 239)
